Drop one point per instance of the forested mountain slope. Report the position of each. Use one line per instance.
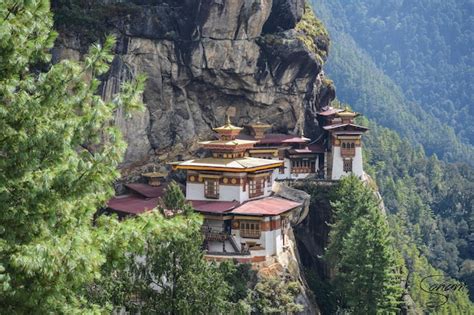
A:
(407, 67)
(430, 201)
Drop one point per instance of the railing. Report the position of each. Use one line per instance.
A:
(256, 193)
(211, 196)
(295, 170)
(218, 234)
(214, 234)
(250, 233)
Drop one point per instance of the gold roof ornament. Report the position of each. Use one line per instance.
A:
(227, 126)
(260, 124)
(228, 131)
(347, 113)
(155, 174)
(155, 178)
(258, 129)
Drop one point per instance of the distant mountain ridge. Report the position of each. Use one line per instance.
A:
(378, 76)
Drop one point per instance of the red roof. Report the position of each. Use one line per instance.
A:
(329, 111)
(281, 138)
(146, 191)
(213, 206)
(132, 204)
(351, 126)
(266, 206)
(276, 138)
(316, 148)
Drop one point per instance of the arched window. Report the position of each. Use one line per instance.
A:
(352, 145)
(343, 145)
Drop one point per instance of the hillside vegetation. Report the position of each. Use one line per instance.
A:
(412, 84)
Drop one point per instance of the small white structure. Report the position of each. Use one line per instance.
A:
(345, 151)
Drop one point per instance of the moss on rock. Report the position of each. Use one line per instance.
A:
(313, 34)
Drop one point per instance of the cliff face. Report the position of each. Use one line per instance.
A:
(203, 59)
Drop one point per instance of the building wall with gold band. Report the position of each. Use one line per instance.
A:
(232, 186)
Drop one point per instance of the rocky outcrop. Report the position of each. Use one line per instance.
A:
(203, 59)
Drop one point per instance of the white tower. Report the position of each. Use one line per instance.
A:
(346, 145)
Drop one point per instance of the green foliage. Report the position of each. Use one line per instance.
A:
(432, 199)
(164, 270)
(59, 153)
(325, 292)
(311, 31)
(418, 268)
(241, 279)
(430, 211)
(414, 44)
(174, 199)
(351, 201)
(274, 295)
(361, 249)
(427, 117)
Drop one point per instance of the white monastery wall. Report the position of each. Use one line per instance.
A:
(337, 163)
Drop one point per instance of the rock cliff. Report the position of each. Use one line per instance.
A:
(251, 59)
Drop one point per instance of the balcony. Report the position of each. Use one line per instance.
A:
(215, 234)
(250, 233)
(348, 152)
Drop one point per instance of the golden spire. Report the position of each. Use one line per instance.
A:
(227, 126)
(228, 131)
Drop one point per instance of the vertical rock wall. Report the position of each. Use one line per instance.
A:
(203, 59)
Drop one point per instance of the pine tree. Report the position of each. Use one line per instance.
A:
(362, 252)
(174, 199)
(351, 201)
(367, 271)
(58, 157)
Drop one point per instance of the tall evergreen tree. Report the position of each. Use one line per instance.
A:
(351, 201)
(58, 157)
(361, 250)
(367, 271)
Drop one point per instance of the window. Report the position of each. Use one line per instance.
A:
(256, 187)
(301, 166)
(211, 188)
(347, 166)
(250, 229)
(348, 149)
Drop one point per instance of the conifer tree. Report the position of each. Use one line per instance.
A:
(367, 272)
(361, 249)
(58, 157)
(351, 201)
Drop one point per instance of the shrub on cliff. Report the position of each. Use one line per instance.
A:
(313, 34)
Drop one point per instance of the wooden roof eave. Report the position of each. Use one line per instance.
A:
(227, 169)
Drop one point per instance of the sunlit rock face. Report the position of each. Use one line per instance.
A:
(203, 60)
